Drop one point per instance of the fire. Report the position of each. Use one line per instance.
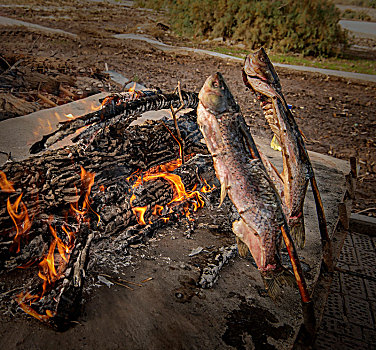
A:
(22, 299)
(133, 93)
(87, 181)
(180, 194)
(207, 188)
(17, 211)
(47, 271)
(20, 217)
(140, 213)
(54, 263)
(132, 88)
(5, 185)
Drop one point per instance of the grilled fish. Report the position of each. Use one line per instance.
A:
(243, 177)
(260, 76)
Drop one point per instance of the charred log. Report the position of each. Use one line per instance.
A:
(116, 108)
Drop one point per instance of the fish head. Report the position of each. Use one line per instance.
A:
(215, 96)
(257, 64)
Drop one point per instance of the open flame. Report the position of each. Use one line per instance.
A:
(87, 182)
(190, 198)
(53, 265)
(17, 212)
(5, 185)
(20, 217)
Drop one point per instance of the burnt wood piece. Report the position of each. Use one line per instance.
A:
(117, 109)
(210, 273)
(60, 304)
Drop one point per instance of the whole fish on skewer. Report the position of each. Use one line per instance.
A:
(243, 177)
(259, 75)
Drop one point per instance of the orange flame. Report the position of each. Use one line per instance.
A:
(87, 180)
(140, 214)
(17, 211)
(22, 299)
(132, 88)
(20, 219)
(5, 185)
(207, 188)
(47, 271)
(180, 194)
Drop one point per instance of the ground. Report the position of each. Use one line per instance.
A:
(336, 115)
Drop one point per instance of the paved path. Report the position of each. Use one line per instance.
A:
(349, 320)
(5, 21)
(165, 47)
(365, 29)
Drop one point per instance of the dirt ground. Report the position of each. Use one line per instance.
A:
(336, 115)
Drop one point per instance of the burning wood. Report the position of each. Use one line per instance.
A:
(56, 263)
(57, 241)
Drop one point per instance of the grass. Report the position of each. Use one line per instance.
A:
(349, 65)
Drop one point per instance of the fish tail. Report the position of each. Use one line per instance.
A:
(297, 229)
(274, 281)
(242, 248)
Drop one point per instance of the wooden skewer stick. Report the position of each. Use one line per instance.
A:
(120, 279)
(307, 303)
(173, 115)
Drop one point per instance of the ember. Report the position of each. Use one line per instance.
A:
(180, 195)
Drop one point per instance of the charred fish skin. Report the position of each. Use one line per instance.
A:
(243, 177)
(260, 76)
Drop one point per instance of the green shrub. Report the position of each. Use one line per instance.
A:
(351, 14)
(308, 27)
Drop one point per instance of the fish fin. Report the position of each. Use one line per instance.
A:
(297, 229)
(224, 188)
(242, 248)
(274, 144)
(274, 281)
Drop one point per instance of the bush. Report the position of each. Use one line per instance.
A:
(308, 27)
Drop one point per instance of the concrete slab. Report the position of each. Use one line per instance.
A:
(236, 304)
(18, 134)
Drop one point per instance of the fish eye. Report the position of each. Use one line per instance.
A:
(215, 84)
